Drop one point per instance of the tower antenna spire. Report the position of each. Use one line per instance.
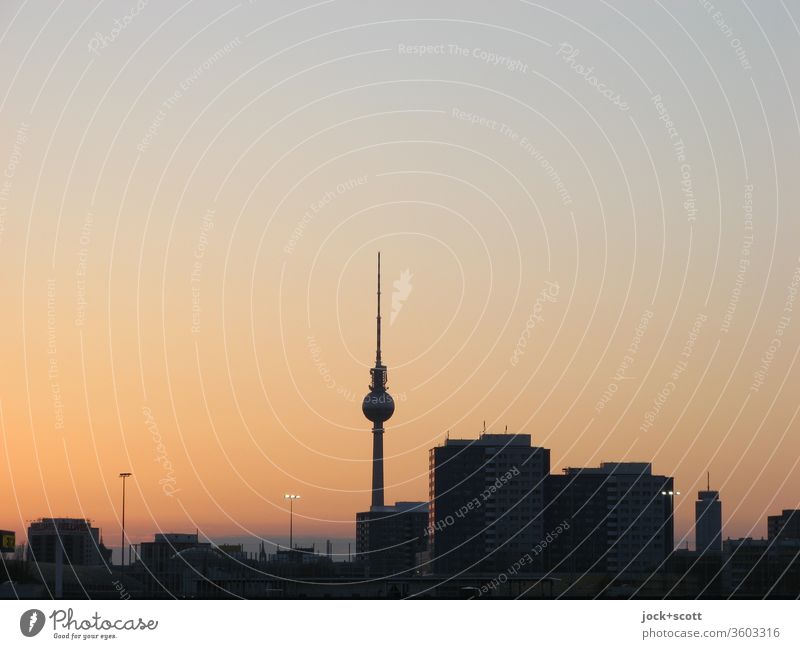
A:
(708, 480)
(378, 352)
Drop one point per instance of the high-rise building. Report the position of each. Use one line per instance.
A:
(80, 543)
(618, 519)
(784, 526)
(708, 521)
(486, 501)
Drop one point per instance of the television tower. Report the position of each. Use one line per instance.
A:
(378, 407)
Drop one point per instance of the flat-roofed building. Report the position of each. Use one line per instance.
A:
(389, 539)
(80, 542)
(487, 497)
(618, 518)
(708, 522)
(784, 526)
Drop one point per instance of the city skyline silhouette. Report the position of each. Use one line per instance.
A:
(584, 222)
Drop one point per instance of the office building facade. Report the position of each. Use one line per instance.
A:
(486, 502)
(618, 519)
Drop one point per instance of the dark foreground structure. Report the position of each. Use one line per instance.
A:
(747, 569)
(183, 567)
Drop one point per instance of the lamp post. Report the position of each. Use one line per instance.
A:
(124, 476)
(291, 498)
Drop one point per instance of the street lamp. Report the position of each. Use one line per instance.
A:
(671, 495)
(122, 543)
(291, 498)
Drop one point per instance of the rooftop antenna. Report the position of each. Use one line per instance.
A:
(484, 426)
(506, 429)
(378, 353)
(708, 480)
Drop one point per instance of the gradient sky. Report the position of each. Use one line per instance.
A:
(191, 200)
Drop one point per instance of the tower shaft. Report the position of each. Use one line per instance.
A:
(377, 466)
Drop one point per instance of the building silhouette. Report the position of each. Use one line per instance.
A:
(620, 519)
(79, 542)
(708, 521)
(157, 553)
(389, 540)
(784, 526)
(761, 568)
(487, 497)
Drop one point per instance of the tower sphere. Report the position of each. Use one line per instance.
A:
(378, 406)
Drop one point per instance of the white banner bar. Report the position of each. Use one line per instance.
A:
(401, 624)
